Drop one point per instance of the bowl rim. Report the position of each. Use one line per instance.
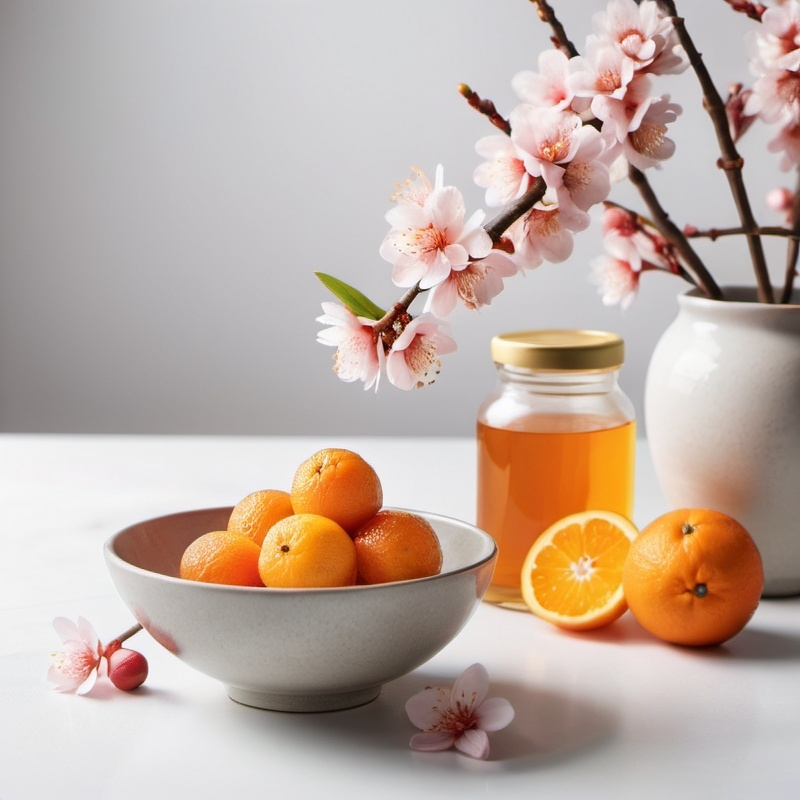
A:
(112, 557)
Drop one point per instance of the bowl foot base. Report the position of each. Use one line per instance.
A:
(302, 703)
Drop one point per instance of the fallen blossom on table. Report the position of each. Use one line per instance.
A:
(461, 717)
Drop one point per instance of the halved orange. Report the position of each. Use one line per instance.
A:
(572, 576)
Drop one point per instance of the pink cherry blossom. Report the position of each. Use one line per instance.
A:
(604, 71)
(775, 43)
(540, 236)
(776, 96)
(618, 282)
(503, 174)
(414, 191)
(781, 199)
(641, 33)
(413, 360)
(428, 240)
(74, 668)
(628, 238)
(359, 354)
(460, 718)
(549, 87)
(787, 141)
(546, 136)
(475, 286)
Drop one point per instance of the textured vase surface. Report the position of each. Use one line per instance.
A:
(722, 414)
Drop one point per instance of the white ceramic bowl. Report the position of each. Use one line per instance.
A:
(297, 649)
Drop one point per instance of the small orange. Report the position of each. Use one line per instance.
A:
(572, 575)
(693, 577)
(307, 550)
(222, 557)
(338, 484)
(396, 546)
(255, 514)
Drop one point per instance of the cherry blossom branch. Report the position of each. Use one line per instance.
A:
(753, 10)
(513, 211)
(673, 234)
(690, 232)
(486, 107)
(559, 37)
(731, 162)
(495, 229)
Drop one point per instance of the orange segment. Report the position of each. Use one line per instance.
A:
(255, 514)
(305, 551)
(572, 576)
(222, 557)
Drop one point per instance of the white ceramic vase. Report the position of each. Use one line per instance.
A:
(722, 414)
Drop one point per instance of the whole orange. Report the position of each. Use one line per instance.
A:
(693, 577)
(338, 484)
(306, 551)
(255, 514)
(396, 546)
(222, 557)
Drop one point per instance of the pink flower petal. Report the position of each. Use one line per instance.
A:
(424, 708)
(473, 742)
(494, 714)
(471, 687)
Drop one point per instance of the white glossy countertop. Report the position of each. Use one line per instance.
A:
(611, 714)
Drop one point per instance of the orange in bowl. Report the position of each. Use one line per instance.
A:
(307, 551)
(338, 484)
(396, 546)
(255, 514)
(222, 557)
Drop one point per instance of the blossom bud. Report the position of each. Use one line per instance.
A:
(127, 669)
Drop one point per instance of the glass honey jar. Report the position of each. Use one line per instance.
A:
(556, 436)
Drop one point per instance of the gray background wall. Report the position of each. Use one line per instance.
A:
(172, 171)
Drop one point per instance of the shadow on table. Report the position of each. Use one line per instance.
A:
(547, 726)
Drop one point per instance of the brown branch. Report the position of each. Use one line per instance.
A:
(753, 10)
(731, 162)
(486, 107)
(513, 211)
(690, 232)
(559, 37)
(496, 228)
(674, 235)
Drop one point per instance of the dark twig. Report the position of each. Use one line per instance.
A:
(690, 232)
(559, 37)
(731, 162)
(674, 235)
(486, 107)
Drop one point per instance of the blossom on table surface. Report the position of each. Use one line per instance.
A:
(461, 717)
(74, 668)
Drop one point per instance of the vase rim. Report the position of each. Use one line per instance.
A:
(738, 295)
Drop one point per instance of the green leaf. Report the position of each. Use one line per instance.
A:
(357, 302)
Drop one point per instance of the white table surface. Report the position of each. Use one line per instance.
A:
(611, 714)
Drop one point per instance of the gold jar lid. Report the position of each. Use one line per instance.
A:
(559, 350)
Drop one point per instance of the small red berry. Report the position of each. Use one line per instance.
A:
(127, 669)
